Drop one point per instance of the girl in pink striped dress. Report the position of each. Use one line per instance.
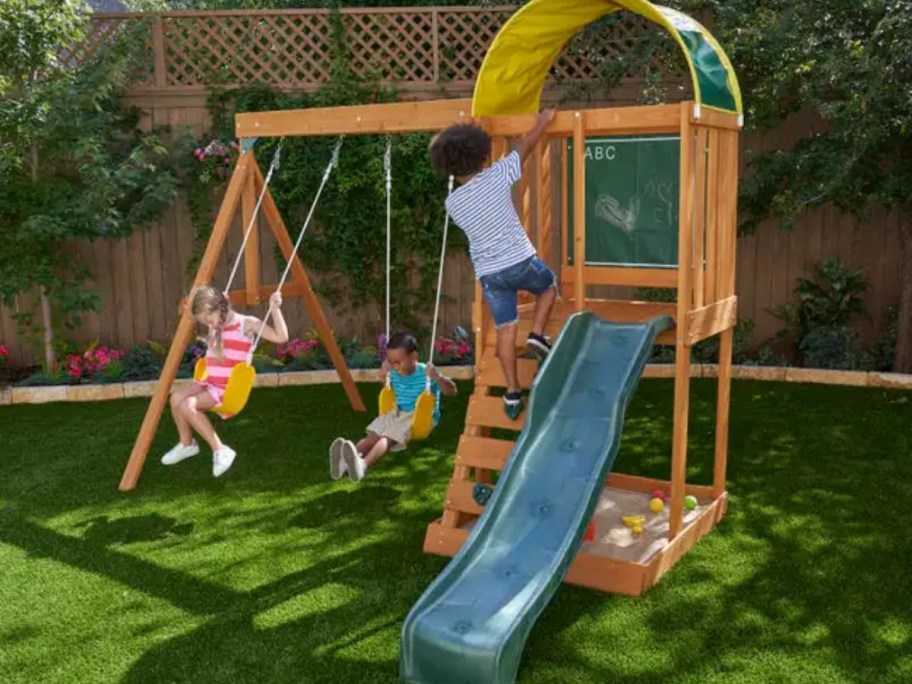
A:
(230, 339)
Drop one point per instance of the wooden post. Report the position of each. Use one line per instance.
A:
(699, 214)
(252, 250)
(544, 219)
(565, 212)
(185, 326)
(159, 73)
(712, 216)
(682, 349)
(525, 196)
(723, 404)
(579, 210)
(277, 225)
(728, 210)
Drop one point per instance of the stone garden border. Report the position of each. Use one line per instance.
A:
(128, 390)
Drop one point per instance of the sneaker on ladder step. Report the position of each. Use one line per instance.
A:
(180, 452)
(513, 405)
(538, 345)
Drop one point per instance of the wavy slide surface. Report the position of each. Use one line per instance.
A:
(472, 622)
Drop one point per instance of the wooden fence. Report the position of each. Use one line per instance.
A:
(141, 279)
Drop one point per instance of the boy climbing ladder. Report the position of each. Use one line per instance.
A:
(504, 259)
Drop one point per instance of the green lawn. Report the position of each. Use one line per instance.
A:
(274, 573)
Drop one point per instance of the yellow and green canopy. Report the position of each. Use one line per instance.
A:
(516, 66)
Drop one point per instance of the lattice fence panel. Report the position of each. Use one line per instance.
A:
(285, 50)
(99, 32)
(293, 49)
(464, 39)
(391, 47)
(615, 45)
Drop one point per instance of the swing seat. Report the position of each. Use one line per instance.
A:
(423, 417)
(237, 391)
(423, 420)
(387, 400)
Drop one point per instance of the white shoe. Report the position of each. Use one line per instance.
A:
(222, 458)
(353, 461)
(180, 452)
(337, 467)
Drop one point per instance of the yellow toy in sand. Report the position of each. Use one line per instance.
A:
(634, 522)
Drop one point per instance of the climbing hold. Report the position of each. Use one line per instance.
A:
(481, 493)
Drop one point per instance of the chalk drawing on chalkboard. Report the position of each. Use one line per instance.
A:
(609, 209)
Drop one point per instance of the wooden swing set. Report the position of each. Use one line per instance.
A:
(704, 134)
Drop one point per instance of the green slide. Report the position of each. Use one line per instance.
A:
(470, 625)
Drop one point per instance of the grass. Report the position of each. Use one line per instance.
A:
(274, 573)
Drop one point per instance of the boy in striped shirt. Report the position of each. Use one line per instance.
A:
(504, 259)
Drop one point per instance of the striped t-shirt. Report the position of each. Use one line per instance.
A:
(409, 387)
(483, 209)
(235, 348)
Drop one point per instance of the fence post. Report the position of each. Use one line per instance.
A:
(435, 37)
(158, 48)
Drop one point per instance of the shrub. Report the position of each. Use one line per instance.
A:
(141, 363)
(830, 347)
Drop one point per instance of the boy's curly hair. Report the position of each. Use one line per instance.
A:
(403, 340)
(460, 150)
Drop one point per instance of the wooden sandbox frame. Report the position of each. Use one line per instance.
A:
(704, 280)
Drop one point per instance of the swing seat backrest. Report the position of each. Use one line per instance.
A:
(237, 391)
(423, 419)
(387, 400)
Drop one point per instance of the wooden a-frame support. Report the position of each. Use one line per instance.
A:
(245, 185)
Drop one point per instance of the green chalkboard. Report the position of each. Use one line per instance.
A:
(631, 201)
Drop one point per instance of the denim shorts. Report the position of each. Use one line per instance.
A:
(531, 275)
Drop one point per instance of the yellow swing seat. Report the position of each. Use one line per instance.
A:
(423, 418)
(387, 400)
(237, 391)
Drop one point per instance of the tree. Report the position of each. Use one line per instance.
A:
(73, 163)
(850, 63)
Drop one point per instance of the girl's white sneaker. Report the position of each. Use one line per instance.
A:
(180, 452)
(222, 458)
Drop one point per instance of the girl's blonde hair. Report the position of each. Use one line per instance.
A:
(208, 300)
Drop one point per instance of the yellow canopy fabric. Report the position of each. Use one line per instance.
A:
(514, 70)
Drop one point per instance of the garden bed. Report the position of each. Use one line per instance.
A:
(128, 390)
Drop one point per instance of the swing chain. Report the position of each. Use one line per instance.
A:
(277, 158)
(388, 161)
(443, 246)
(334, 162)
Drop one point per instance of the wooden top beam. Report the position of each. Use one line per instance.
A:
(393, 117)
(435, 115)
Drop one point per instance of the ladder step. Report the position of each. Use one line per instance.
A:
(485, 411)
(483, 452)
(490, 372)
